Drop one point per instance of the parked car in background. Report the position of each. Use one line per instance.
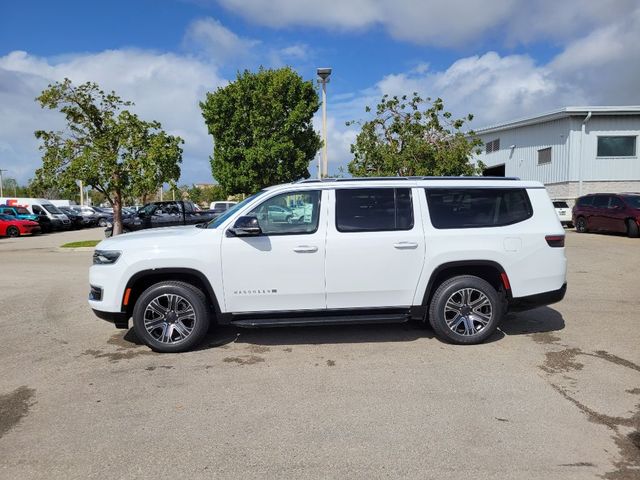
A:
(49, 216)
(13, 227)
(220, 207)
(564, 213)
(20, 213)
(77, 219)
(97, 215)
(163, 214)
(607, 212)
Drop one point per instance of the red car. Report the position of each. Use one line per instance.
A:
(608, 212)
(12, 227)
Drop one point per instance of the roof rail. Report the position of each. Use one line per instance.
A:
(364, 179)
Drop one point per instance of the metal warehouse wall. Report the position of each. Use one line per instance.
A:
(522, 161)
(605, 168)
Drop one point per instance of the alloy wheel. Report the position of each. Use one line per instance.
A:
(467, 311)
(169, 318)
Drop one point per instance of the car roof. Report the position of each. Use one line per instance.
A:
(477, 181)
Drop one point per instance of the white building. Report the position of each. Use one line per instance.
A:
(573, 151)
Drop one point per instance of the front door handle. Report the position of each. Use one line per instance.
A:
(305, 249)
(405, 245)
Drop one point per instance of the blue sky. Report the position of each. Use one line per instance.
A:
(497, 59)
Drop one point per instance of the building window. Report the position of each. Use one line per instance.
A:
(619, 146)
(544, 156)
(493, 145)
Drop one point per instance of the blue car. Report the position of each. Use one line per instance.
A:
(20, 213)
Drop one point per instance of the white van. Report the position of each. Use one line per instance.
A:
(51, 218)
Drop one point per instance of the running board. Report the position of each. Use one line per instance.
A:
(321, 320)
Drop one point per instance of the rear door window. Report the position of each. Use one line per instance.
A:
(374, 209)
(477, 207)
(585, 202)
(601, 201)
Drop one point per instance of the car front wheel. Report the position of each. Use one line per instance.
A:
(465, 310)
(171, 317)
(13, 232)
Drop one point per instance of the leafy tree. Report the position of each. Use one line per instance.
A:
(105, 146)
(10, 186)
(413, 137)
(262, 130)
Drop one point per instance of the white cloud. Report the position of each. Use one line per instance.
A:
(165, 87)
(217, 41)
(602, 67)
(441, 22)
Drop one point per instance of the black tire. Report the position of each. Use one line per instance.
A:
(632, 229)
(470, 328)
(581, 225)
(198, 325)
(13, 232)
(108, 233)
(102, 222)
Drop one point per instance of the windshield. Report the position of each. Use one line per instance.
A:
(632, 200)
(216, 222)
(51, 208)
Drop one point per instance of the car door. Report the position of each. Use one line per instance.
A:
(616, 218)
(598, 212)
(375, 247)
(281, 269)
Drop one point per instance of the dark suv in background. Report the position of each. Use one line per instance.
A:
(608, 212)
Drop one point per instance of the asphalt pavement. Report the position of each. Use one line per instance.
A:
(554, 394)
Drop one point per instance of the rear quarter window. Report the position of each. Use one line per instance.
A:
(477, 207)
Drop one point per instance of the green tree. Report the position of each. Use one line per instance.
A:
(107, 147)
(413, 137)
(262, 129)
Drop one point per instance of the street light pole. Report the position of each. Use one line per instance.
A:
(323, 74)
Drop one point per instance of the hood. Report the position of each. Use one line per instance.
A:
(151, 238)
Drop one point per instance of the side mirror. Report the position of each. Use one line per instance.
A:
(246, 227)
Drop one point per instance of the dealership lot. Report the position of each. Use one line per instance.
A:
(556, 394)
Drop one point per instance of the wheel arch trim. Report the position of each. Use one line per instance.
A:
(458, 264)
(136, 277)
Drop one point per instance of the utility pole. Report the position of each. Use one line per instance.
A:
(323, 79)
(1, 182)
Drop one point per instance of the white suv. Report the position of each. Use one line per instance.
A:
(456, 252)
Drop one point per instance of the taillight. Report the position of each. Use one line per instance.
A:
(555, 240)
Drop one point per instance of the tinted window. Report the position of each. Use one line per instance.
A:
(51, 208)
(584, 201)
(615, 202)
(374, 209)
(560, 205)
(37, 210)
(633, 201)
(617, 146)
(601, 201)
(477, 207)
(289, 213)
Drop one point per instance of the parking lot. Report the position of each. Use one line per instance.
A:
(554, 394)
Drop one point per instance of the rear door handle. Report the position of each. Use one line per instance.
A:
(305, 249)
(405, 245)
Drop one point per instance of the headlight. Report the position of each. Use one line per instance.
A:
(105, 257)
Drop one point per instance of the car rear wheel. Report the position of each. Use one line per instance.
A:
(465, 310)
(581, 225)
(171, 317)
(13, 232)
(632, 229)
